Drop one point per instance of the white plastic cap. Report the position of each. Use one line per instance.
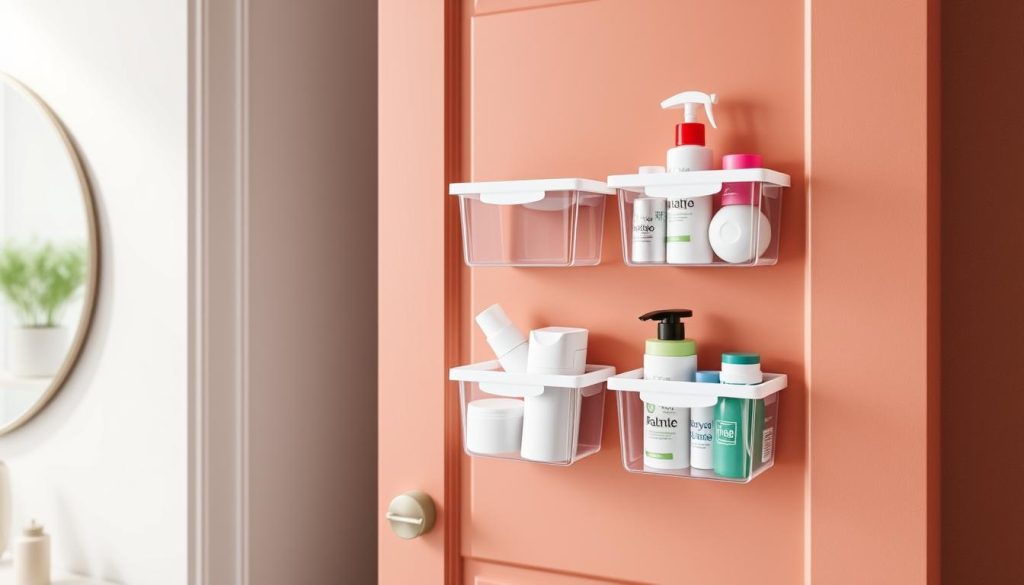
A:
(492, 320)
(504, 338)
(557, 350)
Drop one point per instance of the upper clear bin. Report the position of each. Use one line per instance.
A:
(542, 222)
(701, 218)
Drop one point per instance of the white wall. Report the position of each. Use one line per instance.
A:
(105, 465)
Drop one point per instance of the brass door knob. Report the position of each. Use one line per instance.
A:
(411, 514)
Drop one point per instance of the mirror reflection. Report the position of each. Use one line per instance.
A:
(47, 254)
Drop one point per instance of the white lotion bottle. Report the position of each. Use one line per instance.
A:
(648, 230)
(702, 428)
(551, 418)
(688, 218)
(648, 241)
(507, 341)
(670, 356)
(32, 556)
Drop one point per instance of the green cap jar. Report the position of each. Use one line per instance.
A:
(741, 368)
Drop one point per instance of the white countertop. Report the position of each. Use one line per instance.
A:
(56, 577)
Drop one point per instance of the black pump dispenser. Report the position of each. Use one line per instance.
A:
(670, 327)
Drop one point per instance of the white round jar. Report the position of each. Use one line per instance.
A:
(731, 230)
(494, 426)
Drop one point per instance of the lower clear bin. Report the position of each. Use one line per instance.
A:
(541, 418)
(723, 432)
(552, 222)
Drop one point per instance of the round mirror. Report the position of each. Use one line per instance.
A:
(48, 254)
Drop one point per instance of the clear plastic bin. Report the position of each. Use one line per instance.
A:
(742, 212)
(560, 418)
(754, 432)
(544, 222)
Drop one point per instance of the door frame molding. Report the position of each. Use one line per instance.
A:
(218, 404)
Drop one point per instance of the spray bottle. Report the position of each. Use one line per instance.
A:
(688, 219)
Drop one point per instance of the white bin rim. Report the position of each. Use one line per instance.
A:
(491, 371)
(515, 188)
(694, 183)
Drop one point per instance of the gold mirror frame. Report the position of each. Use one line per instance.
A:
(92, 283)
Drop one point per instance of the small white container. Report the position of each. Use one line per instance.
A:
(32, 556)
(732, 233)
(494, 426)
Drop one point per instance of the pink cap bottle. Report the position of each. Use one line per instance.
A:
(740, 193)
(736, 236)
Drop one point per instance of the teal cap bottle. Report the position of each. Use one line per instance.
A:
(732, 437)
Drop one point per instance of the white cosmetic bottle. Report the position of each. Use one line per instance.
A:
(549, 419)
(32, 556)
(702, 431)
(507, 341)
(648, 230)
(688, 218)
(670, 356)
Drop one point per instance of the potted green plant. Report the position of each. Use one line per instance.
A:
(38, 281)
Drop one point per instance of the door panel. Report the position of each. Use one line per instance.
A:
(574, 90)
(506, 89)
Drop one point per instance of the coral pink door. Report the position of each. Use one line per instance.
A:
(507, 89)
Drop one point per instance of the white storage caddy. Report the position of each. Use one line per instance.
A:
(763, 187)
(541, 222)
(571, 409)
(633, 392)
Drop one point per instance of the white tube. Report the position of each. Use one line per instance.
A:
(507, 341)
(551, 420)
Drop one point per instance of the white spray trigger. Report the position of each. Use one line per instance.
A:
(688, 101)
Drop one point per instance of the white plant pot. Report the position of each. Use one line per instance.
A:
(38, 351)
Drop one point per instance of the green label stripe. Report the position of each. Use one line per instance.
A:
(653, 455)
(679, 238)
